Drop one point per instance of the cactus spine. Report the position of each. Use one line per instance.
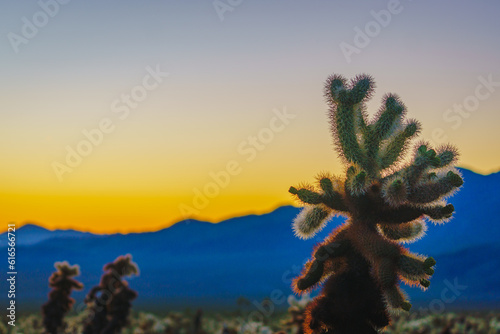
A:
(386, 200)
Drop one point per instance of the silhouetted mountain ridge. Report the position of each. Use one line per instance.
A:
(199, 263)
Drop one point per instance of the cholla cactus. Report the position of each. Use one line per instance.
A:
(386, 199)
(109, 310)
(60, 302)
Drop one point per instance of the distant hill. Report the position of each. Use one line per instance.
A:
(195, 263)
(33, 234)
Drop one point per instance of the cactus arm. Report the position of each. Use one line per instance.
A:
(407, 213)
(335, 202)
(332, 250)
(388, 117)
(310, 220)
(396, 298)
(359, 115)
(447, 155)
(385, 124)
(356, 181)
(405, 232)
(415, 268)
(362, 88)
(311, 277)
(306, 195)
(54, 280)
(330, 197)
(400, 215)
(345, 130)
(91, 295)
(395, 147)
(440, 212)
(75, 284)
(334, 85)
(423, 160)
(386, 273)
(435, 189)
(347, 115)
(395, 191)
(314, 271)
(426, 159)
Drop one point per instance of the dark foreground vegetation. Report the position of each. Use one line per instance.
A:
(191, 322)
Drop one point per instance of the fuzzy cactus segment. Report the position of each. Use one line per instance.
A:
(406, 232)
(310, 221)
(387, 199)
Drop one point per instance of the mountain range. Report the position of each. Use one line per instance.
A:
(200, 264)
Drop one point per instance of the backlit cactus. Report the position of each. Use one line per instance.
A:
(110, 301)
(60, 302)
(387, 200)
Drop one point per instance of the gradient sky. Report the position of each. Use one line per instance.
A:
(226, 81)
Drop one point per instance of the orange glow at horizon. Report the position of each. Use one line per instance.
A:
(122, 214)
(225, 101)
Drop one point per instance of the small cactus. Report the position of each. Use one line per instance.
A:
(109, 310)
(60, 302)
(387, 200)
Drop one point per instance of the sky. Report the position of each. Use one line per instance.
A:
(128, 116)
